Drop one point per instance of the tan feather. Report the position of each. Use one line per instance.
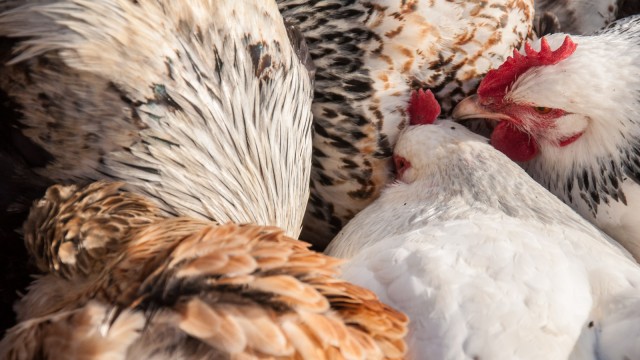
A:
(226, 290)
(303, 341)
(70, 231)
(292, 292)
(85, 333)
(262, 328)
(217, 329)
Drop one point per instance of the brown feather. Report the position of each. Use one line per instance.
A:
(71, 231)
(206, 289)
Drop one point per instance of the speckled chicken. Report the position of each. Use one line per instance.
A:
(167, 288)
(203, 106)
(368, 55)
(161, 95)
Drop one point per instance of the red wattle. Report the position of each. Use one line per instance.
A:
(570, 139)
(517, 145)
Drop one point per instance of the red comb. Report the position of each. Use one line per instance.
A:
(496, 82)
(423, 108)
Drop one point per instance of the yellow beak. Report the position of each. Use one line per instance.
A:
(470, 108)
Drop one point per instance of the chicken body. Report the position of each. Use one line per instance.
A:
(202, 106)
(126, 283)
(486, 263)
(163, 96)
(579, 16)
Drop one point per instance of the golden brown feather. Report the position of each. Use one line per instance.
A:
(71, 231)
(228, 290)
(76, 334)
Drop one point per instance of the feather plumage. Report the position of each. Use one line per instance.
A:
(485, 262)
(204, 106)
(581, 17)
(588, 133)
(368, 55)
(142, 91)
(202, 289)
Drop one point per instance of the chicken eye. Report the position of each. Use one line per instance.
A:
(401, 164)
(542, 109)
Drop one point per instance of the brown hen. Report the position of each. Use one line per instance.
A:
(204, 290)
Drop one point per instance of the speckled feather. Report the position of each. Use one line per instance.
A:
(73, 232)
(369, 55)
(207, 290)
(181, 100)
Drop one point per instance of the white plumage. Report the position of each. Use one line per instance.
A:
(592, 98)
(486, 263)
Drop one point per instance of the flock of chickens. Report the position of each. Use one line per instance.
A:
(161, 159)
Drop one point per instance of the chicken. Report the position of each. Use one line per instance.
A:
(161, 95)
(571, 116)
(486, 263)
(185, 288)
(368, 55)
(203, 106)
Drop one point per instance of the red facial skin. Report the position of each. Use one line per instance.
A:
(401, 164)
(510, 137)
(566, 141)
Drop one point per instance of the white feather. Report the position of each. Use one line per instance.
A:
(487, 263)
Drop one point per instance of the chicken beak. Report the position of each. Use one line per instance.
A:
(470, 108)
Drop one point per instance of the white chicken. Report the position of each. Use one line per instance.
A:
(368, 56)
(571, 116)
(486, 263)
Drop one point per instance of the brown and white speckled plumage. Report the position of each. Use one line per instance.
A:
(204, 290)
(368, 55)
(202, 105)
